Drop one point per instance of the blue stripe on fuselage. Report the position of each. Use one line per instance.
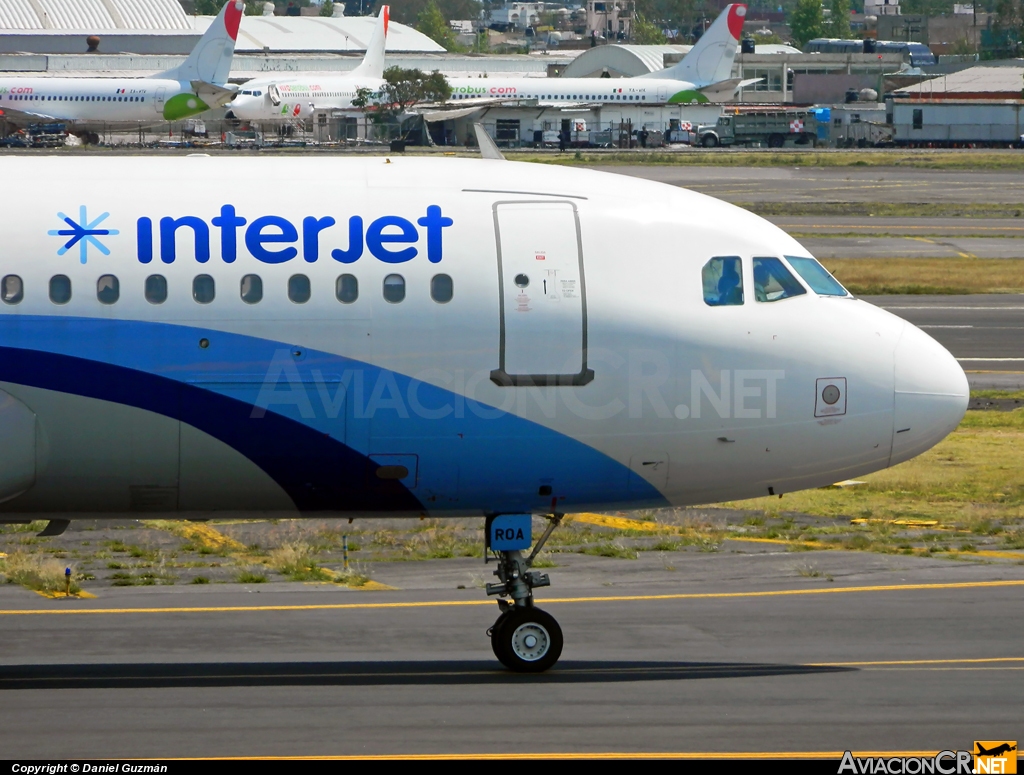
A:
(321, 458)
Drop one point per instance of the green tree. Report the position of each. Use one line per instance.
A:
(765, 39)
(431, 22)
(403, 88)
(806, 21)
(212, 7)
(1008, 27)
(327, 9)
(646, 33)
(408, 11)
(839, 24)
(930, 7)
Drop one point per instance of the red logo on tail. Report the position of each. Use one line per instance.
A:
(233, 17)
(737, 13)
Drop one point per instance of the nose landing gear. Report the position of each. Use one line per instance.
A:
(525, 639)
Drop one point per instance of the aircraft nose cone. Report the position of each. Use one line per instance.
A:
(931, 394)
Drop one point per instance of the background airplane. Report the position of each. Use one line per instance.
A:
(430, 337)
(90, 104)
(703, 74)
(276, 98)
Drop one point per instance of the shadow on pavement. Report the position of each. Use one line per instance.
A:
(211, 674)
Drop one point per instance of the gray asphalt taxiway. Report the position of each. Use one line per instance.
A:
(836, 184)
(761, 652)
(985, 332)
(867, 236)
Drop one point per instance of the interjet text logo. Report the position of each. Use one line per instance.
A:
(83, 233)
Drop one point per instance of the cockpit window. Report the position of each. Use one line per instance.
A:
(723, 281)
(817, 276)
(773, 282)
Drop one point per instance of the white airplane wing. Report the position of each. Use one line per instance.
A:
(212, 94)
(22, 117)
(723, 91)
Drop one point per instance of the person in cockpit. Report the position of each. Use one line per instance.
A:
(729, 290)
(761, 279)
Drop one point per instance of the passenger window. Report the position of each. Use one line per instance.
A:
(298, 288)
(13, 290)
(347, 288)
(60, 289)
(203, 289)
(773, 282)
(252, 289)
(156, 289)
(817, 276)
(108, 289)
(441, 288)
(394, 288)
(723, 281)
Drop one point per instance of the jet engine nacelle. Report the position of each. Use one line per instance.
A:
(17, 447)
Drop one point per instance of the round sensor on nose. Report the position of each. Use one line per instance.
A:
(521, 281)
(830, 394)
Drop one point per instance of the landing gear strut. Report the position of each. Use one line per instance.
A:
(525, 639)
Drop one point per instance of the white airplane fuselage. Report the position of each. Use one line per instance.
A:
(299, 98)
(442, 337)
(112, 103)
(197, 84)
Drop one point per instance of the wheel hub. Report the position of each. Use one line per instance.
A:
(530, 641)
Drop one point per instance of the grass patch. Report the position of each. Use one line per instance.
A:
(913, 159)
(610, 549)
(543, 561)
(36, 526)
(888, 209)
(353, 577)
(35, 572)
(876, 276)
(666, 545)
(200, 580)
(296, 562)
(249, 577)
(971, 481)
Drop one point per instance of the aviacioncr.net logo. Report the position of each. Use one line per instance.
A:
(943, 763)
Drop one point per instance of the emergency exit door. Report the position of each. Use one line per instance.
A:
(542, 295)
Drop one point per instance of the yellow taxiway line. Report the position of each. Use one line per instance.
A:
(546, 601)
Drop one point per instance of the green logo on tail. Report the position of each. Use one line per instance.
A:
(182, 106)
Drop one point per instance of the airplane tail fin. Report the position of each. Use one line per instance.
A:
(710, 60)
(210, 60)
(372, 65)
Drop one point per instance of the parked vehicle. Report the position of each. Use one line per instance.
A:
(51, 135)
(915, 54)
(774, 128)
(957, 123)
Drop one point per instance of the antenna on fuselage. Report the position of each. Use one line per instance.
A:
(488, 149)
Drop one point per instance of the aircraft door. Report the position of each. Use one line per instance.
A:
(158, 100)
(542, 295)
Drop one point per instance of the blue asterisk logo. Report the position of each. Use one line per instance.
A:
(83, 234)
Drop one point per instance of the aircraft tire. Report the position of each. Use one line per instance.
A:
(495, 633)
(529, 640)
